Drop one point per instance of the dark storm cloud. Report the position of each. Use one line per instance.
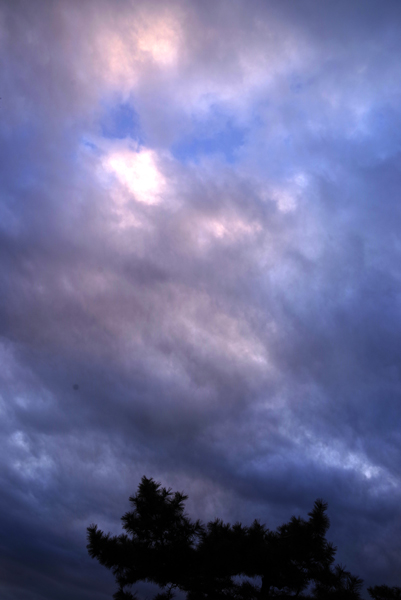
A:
(232, 327)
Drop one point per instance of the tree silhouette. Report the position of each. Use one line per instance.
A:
(158, 546)
(220, 561)
(384, 592)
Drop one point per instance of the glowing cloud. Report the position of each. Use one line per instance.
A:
(124, 54)
(138, 173)
(160, 41)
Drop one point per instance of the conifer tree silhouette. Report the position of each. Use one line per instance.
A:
(220, 561)
(158, 545)
(384, 592)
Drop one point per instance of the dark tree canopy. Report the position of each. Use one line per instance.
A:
(384, 592)
(220, 561)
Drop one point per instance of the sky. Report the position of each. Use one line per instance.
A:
(200, 273)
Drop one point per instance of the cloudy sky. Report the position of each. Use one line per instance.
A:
(200, 273)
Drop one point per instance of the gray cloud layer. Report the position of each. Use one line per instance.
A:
(233, 325)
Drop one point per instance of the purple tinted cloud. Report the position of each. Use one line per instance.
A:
(229, 310)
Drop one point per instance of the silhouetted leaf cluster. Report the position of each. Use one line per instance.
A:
(220, 561)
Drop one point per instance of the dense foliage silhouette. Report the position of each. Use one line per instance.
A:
(220, 561)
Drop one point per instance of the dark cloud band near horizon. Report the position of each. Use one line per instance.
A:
(200, 267)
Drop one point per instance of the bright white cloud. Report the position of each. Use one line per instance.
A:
(138, 173)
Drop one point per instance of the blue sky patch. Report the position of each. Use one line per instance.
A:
(225, 139)
(120, 121)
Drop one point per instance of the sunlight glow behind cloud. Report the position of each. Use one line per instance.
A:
(161, 40)
(138, 172)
